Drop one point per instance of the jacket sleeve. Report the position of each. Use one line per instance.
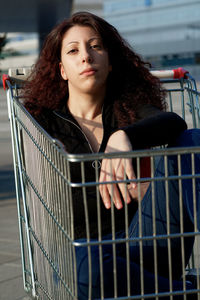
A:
(154, 128)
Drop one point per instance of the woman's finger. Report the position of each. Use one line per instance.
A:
(139, 192)
(130, 172)
(109, 192)
(102, 187)
(114, 195)
(120, 174)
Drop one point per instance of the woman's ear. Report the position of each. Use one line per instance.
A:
(62, 71)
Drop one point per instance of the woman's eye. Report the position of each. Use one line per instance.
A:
(96, 46)
(72, 51)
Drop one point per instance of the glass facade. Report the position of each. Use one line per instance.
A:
(119, 5)
(166, 32)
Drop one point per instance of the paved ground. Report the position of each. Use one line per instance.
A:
(11, 284)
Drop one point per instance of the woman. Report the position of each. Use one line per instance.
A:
(91, 91)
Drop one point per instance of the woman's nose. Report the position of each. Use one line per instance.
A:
(86, 57)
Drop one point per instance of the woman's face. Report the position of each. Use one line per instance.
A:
(84, 60)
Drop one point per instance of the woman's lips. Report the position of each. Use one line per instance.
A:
(88, 72)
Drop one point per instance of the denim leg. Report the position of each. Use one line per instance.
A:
(187, 138)
(121, 275)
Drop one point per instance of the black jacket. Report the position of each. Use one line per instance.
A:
(152, 128)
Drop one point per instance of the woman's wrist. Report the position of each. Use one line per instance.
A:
(118, 141)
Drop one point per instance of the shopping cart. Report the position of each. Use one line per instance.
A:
(44, 192)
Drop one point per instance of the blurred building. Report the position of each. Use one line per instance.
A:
(165, 32)
(95, 7)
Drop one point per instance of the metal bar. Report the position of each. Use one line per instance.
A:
(23, 195)
(17, 181)
(168, 224)
(99, 224)
(128, 271)
(140, 239)
(87, 232)
(182, 100)
(181, 223)
(154, 228)
(113, 236)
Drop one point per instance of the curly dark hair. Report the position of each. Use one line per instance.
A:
(129, 85)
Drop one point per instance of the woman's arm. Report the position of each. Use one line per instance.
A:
(158, 129)
(116, 169)
(155, 128)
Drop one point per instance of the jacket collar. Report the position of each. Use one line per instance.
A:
(108, 119)
(107, 115)
(64, 112)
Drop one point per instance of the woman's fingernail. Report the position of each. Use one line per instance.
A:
(107, 205)
(119, 205)
(128, 200)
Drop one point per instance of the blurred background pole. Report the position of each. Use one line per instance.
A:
(32, 15)
(49, 13)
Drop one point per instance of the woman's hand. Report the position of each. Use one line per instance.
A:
(117, 169)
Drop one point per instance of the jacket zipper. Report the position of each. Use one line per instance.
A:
(78, 128)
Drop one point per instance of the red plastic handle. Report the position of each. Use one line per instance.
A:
(4, 78)
(180, 73)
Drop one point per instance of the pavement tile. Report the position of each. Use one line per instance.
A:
(9, 271)
(11, 248)
(5, 258)
(12, 289)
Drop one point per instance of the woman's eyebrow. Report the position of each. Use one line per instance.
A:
(90, 40)
(72, 42)
(94, 38)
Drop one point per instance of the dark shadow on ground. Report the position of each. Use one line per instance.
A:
(7, 184)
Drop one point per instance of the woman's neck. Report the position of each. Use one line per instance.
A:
(85, 106)
(88, 113)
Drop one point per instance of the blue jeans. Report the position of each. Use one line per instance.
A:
(187, 138)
